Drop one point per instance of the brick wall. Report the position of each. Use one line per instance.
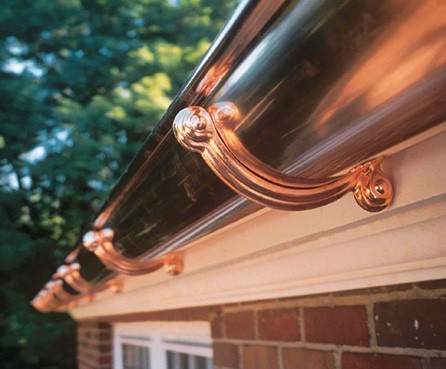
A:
(402, 327)
(95, 341)
(94, 345)
(399, 327)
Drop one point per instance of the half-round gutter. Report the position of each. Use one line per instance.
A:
(321, 86)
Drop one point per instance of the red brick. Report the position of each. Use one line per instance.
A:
(437, 363)
(240, 325)
(432, 285)
(84, 366)
(84, 333)
(105, 348)
(105, 336)
(88, 324)
(294, 358)
(94, 345)
(260, 357)
(104, 326)
(341, 325)
(411, 323)
(226, 355)
(374, 361)
(104, 360)
(217, 322)
(279, 325)
(90, 356)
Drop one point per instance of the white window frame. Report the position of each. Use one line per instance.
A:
(192, 338)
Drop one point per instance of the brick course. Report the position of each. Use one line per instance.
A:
(226, 355)
(217, 324)
(361, 329)
(375, 361)
(94, 345)
(240, 325)
(339, 330)
(279, 325)
(260, 357)
(293, 358)
(437, 363)
(417, 323)
(340, 325)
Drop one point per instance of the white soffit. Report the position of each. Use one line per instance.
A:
(273, 254)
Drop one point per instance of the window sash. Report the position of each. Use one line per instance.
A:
(160, 339)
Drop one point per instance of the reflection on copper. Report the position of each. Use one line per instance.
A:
(389, 86)
(71, 275)
(45, 302)
(101, 243)
(207, 132)
(71, 257)
(211, 80)
(53, 297)
(49, 299)
(401, 57)
(256, 18)
(56, 287)
(102, 218)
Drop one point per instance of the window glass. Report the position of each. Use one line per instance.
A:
(135, 357)
(203, 363)
(177, 360)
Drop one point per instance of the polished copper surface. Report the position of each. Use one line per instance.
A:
(56, 287)
(249, 21)
(319, 86)
(71, 275)
(330, 87)
(212, 78)
(100, 242)
(53, 297)
(202, 131)
(45, 302)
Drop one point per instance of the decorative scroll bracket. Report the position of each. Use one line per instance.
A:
(53, 297)
(70, 274)
(100, 242)
(45, 302)
(56, 287)
(211, 133)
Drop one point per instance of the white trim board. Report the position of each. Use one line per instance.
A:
(274, 254)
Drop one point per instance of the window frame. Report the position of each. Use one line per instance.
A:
(191, 338)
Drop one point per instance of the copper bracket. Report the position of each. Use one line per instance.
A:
(211, 132)
(53, 297)
(71, 275)
(56, 288)
(44, 302)
(101, 243)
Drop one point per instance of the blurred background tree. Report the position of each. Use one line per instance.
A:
(81, 84)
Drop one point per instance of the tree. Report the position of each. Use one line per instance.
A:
(82, 83)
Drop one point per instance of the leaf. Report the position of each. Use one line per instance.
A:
(14, 247)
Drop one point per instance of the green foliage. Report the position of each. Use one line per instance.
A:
(82, 83)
